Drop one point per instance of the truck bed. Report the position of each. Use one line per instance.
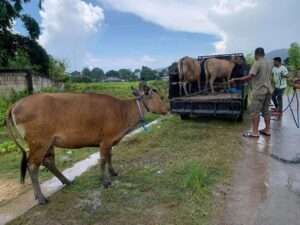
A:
(210, 97)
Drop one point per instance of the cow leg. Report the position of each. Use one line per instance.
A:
(111, 169)
(184, 87)
(34, 161)
(206, 84)
(180, 85)
(199, 86)
(49, 163)
(211, 82)
(104, 157)
(190, 87)
(228, 78)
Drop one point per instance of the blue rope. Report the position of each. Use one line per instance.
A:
(297, 122)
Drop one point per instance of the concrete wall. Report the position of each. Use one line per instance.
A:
(20, 80)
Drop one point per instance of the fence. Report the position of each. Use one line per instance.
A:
(20, 80)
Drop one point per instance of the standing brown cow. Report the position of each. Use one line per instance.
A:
(219, 68)
(189, 71)
(74, 121)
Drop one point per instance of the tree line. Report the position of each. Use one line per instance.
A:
(98, 75)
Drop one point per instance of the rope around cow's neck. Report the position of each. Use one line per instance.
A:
(142, 119)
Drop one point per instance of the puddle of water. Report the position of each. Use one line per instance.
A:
(26, 201)
(265, 191)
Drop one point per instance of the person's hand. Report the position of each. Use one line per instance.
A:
(232, 80)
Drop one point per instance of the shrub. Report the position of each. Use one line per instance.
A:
(6, 102)
(8, 147)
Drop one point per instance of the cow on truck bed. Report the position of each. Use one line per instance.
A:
(226, 103)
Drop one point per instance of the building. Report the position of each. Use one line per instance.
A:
(113, 79)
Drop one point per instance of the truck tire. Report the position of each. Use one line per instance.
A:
(184, 116)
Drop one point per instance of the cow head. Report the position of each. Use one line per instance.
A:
(152, 100)
(237, 60)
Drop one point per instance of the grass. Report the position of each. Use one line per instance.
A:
(166, 176)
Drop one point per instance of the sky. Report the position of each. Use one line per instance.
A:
(114, 34)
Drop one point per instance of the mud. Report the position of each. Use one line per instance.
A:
(26, 200)
(265, 191)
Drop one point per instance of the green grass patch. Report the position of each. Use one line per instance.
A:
(166, 176)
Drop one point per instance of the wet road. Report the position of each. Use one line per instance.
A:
(265, 191)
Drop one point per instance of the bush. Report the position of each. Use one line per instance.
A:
(8, 147)
(6, 102)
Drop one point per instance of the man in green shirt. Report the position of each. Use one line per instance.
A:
(279, 72)
(261, 76)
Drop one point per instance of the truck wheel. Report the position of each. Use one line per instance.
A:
(184, 116)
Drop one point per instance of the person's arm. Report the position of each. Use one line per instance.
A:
(252, 73)
(244, 78)
(285, 73)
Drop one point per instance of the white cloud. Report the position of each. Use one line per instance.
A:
(241, 25)
(132, 63)
(148, 59)
(67, 25)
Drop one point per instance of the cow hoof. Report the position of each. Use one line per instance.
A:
(113, 173)
(43, 201)
(68, 183)
(106, 184)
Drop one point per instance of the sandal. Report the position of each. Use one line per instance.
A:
(264, 133)
(249, 134)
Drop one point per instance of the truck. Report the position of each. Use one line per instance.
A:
(227, 102)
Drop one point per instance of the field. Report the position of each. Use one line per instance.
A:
(166, 176)
(10, 162)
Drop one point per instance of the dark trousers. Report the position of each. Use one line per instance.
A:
(277, 98)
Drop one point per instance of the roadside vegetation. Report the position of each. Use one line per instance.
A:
(166, 176)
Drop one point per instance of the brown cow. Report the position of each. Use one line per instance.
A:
(189, 71)
(219, 68)
(74, 121)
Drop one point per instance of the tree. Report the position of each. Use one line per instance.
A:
(250, 60)
(148, 74)
(75, 73)
(112, 73)
(162, 73)
(294, 58)
(97, 74)
(127, 75)
(21, 61)
(57, 69)
(86, 72)
(11, 43)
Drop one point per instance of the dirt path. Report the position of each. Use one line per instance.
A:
(265, 191)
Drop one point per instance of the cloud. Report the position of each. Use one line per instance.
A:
(240, 25)
(148, 59)
(132, 63)
(67, 25)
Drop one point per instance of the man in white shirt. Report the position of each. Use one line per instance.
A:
(280, 73)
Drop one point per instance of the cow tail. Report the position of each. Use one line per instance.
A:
(24, 157)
